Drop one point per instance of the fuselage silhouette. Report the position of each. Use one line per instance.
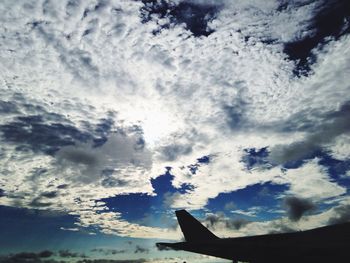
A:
(325, 244)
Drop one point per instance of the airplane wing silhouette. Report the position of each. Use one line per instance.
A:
(319, 245)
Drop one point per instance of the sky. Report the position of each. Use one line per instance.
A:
(116, 113)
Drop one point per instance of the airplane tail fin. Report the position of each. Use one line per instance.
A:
(192, 229)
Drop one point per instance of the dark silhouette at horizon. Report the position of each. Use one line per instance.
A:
(324, 244)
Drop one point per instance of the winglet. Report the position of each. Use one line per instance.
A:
(192, 229)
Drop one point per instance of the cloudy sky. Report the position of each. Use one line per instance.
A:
(116, 113)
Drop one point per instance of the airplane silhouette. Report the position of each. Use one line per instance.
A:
(325, 244)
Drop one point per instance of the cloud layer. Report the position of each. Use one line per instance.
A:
(99, 97)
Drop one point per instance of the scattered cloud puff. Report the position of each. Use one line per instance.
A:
(340, 147)
(97, 100)
(297, 207)
(108, 251)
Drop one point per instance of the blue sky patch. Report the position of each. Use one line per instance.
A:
(195, 16)
(256, 158)
(200, 161)
(257, 195)
(141, 208)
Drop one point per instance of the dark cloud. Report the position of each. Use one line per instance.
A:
(293, 154)
(236, 111)
(297, 207)
(302, 121)
(62, 186)
(7, 107)
(66, 253)
(44, 257)
(331, 126)
(104, 164)
(213, 219)
(44, 131)
(342, 215)
(45, 254)
(105, 127)
(35, 133)
(28, 257)
(194, 15)
(220, 220)
(173, 151)
(139, 249)
(52, 194)
(108, 251)
(235, 114)
(115, 251)
(78, 156)
(237, 223)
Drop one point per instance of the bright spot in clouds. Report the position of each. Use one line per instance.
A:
(157, 123)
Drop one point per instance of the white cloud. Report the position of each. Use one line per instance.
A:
(123, 156)
(340, 147)
(74, 229)
(311, 181)
(111, 223)
(251, 212)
